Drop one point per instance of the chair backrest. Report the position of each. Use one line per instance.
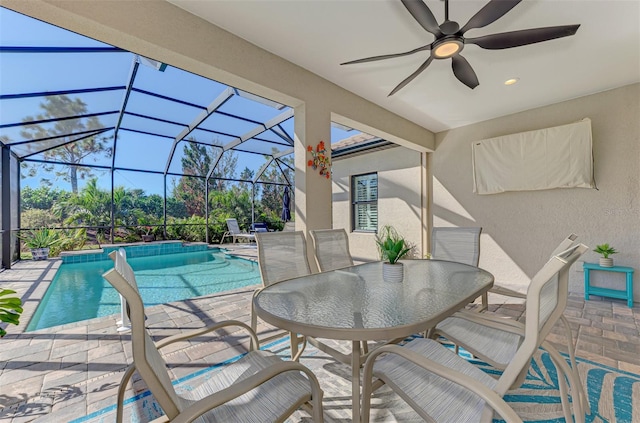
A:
(461, 245)
(565, 244)
(233, 227)
(282, 255)
(545, 303)
(146, 357)
(331, 249)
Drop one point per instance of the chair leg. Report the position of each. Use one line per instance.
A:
(574, 383)
(574, 367)
(485, 302)
(365, 347)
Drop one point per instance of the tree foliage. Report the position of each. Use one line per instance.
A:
(196, 162)
(70, 152)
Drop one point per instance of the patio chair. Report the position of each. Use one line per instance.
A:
(235, 233)
(442, 386)
(458, 244)
(331, 248)
(332, 252)
(496, 289)
(281, 255)
(259, 227)
(257, 388)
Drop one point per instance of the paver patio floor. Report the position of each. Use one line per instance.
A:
(69, 371)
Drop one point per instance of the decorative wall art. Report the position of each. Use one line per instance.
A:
(320, 160)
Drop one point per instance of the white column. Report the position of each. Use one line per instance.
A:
(312, 191)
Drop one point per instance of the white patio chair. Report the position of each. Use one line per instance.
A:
(281, 255)
(332, 252)
(459, 244)
(496, 289)
(235, 233)
(442, 386)
(257, 388)
(331, 249)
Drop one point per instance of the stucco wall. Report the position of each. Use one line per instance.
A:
(520, 229)
(401, 179)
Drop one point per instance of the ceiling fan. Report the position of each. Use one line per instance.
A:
(450, 38)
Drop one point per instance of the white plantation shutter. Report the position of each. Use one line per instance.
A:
(365, 202)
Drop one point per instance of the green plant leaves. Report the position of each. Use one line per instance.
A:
(605, 250)
(391, 245)
(10, 309)
(40, 238)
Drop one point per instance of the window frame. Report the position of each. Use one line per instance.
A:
(355, 203)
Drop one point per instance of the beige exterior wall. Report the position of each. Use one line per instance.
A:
(520, 229)
(401, 179)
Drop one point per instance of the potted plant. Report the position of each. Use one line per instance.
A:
(10, 309)
(147, 236)
(39, 241)
(606, 250)
(392, 247)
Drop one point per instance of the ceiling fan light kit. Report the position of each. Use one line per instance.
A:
(447, 48)
(450, 39)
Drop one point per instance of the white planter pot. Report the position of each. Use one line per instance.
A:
(606, 262)
(392, 272)
(40, 253)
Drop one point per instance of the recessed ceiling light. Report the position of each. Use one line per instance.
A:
(511, 81)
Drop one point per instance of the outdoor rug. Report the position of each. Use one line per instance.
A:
(614, 395)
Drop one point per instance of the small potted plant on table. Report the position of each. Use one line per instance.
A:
(606, 250)
(39, 241)
(392, 248)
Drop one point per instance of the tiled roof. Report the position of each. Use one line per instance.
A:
(351, 141)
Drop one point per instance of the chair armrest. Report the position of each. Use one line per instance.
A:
(202, 406)
(497, 289)
(494, 400)
(201, 331)
(505, 323)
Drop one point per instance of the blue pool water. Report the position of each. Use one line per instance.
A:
(79, 292)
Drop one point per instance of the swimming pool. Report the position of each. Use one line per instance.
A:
(79, 292)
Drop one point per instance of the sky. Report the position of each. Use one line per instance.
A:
(45, 72)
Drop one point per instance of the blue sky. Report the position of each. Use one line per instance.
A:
(37, 72)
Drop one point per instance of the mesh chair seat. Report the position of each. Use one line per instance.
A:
(496, 345)
(269, 402)
(427, 392)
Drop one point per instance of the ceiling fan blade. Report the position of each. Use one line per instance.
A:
(523, 37)
(463, 71)
(387, 56)
(490, 13)
(412, 76)
(423, 15)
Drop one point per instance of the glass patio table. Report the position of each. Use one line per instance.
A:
(356, 304)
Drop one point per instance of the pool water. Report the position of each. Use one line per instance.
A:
(79, 292)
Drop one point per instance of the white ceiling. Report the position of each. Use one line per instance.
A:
(320, 34)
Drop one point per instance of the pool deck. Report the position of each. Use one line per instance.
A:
(66, 372)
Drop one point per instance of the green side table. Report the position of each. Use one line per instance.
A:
(626, 294)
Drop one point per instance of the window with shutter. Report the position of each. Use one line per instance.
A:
(364, 195)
